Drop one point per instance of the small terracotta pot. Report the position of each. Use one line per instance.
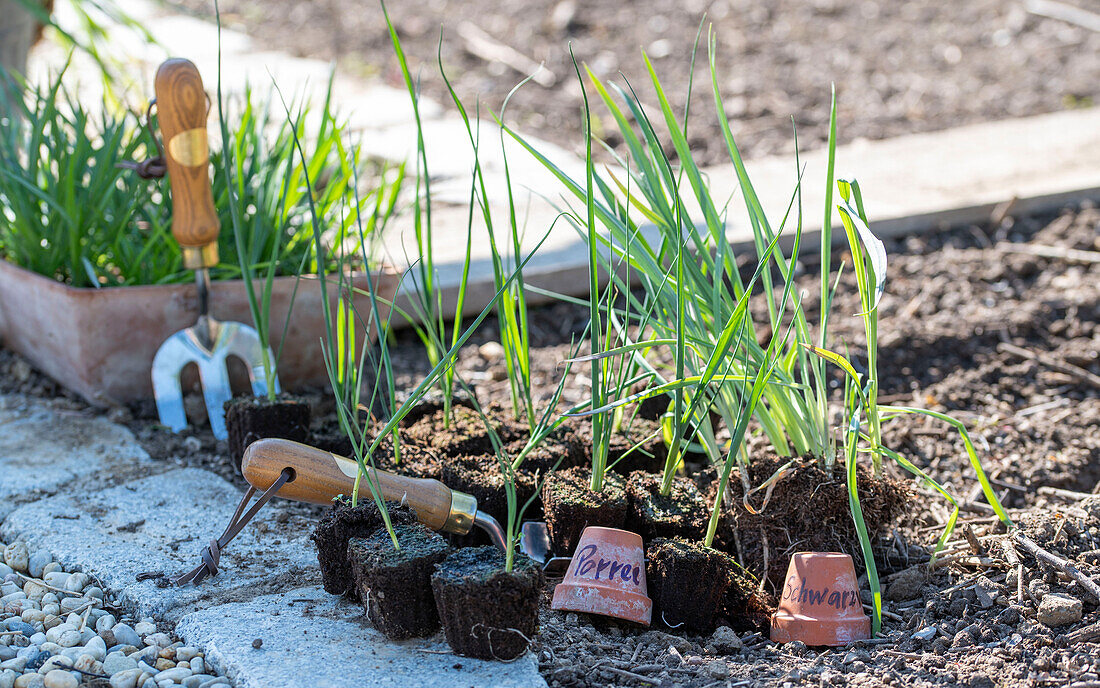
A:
(820, 603)
(606, 577)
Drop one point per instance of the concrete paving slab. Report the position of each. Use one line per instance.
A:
(44, 450)
(160, 524)
(311, 638)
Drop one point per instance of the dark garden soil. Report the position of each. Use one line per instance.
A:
(899, 67)
(994, 324)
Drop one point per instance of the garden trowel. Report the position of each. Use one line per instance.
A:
(182, 111)
(319, 476)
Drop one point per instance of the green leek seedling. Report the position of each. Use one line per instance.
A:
(428, 318)
(697, 299)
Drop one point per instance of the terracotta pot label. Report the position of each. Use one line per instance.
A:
(606, 577)
(820, 603)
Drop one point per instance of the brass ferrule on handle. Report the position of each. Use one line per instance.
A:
(460, 519)
(199, 257)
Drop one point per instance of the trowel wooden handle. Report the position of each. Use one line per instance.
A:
(181, 113)
(319, 476)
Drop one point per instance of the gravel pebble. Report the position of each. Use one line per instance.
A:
(117, 662)
(17, 556)
(145, 628)
(158, 640)
(36, 564)
(30, 681)
(126, 679)
(1059, 610)
(60, 679)
(124, 635)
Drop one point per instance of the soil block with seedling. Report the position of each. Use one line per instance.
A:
(682, 513)
(488, 613)
(463, 434)
(561, 449)
(341, 523)
(688, 583)
(395, 584)
(812, 500)
(249, 418)
(481, 476)
(571, 505)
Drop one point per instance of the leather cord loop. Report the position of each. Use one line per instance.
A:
(211, 554)
(154, 167)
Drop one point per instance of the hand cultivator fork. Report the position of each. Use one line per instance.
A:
(182, 107)
(282, 468)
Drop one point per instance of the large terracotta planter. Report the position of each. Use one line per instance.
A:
(100, 342)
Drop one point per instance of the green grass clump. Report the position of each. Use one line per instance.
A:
(69, 213)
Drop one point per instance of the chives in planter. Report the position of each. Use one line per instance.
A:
(394, 585)
(488, 612)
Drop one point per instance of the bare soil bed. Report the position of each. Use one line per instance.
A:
(985, 322)
(899, 67)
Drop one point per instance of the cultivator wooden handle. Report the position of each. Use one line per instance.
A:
(181, 113)
(319, 476)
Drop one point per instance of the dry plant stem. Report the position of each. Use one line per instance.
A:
(1070, 255)
(1084, 634)
(481, 44)
(1064, 12)
(1051, 362)
(972, 540)
(1054, 560)
(1065, 494)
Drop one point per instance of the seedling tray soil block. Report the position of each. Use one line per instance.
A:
(562, 449)
(571, 506)
(395, 585)
(486, 612)
(482, 477)
(463, 435)
(343, 522)
(249, 418)
(683, 513)
(687, 583)
(100, 343)
(810, 504)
